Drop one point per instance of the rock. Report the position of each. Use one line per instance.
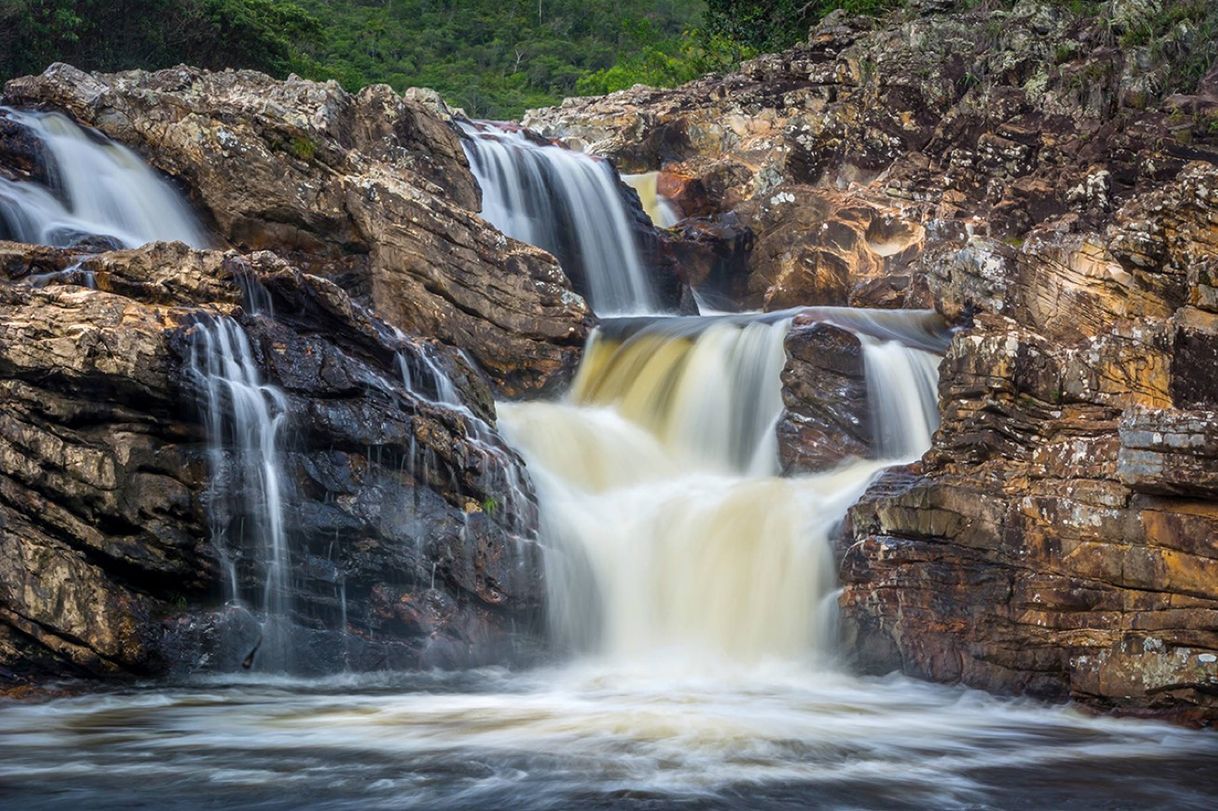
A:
(1168, 452)
(945, 126)
(1060, 538)
(107, 514)
(21, 153)
(371, 190)
(824, 391)
(709, 254)
(820, 248)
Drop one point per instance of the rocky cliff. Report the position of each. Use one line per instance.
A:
(404, 547)
(410, 526)
(371, 190)
(1046, 180)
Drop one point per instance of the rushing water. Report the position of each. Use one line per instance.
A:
(589, 737)
(692, 594)
(662, 211)
(673, 539)
(567, 203)
(244, 419)
(691, 591)
(97, 189)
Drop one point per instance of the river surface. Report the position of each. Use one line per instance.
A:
(590, 737)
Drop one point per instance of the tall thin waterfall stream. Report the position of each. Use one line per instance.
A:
(690, 587)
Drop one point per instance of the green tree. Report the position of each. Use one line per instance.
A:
(269, 35)
(772, 25)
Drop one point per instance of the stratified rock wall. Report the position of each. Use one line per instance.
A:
(408, 519)
(860, 157)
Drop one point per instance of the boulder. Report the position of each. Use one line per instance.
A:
(824, 390)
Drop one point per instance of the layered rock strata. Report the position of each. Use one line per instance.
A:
(371, 190)
(410, 525)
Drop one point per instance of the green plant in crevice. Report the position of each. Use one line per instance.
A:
(303, 148)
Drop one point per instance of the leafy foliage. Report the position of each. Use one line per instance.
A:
(268, 35)
(497, 57)
(772, 25)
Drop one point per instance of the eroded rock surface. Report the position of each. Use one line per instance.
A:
(863, 156)
(1064, 536)
(371, 190)
(407, 518)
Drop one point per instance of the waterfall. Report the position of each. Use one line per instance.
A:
(673, 541)
(567, 203)
(903, 396)
(424, 376)
(707, 389)
(97, 188)
(662, 211)
(244, 419)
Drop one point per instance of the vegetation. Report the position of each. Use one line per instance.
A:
(495, 58)
(771, 25)
(269, 35)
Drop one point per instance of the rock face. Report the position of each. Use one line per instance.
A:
(1054, 195)
(371, 190)
(1062, 540)
(407, 520)
(824, 391)
(853, 154)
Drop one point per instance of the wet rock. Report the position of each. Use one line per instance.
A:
(369, 189)
(824, 391)
(107, 513)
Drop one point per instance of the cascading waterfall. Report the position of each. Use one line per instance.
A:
(424, 377)
(567, 203)
(659, 489)
(97, 188)
(662, 211)
(244, 419)
(697, 585)
(707, 389)
(902, 392)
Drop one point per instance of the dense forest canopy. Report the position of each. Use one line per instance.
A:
(495, 58)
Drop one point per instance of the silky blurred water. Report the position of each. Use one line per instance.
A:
(591, 736)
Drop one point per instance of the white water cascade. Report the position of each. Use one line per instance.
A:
(675, 543)
(569, 204)
(424, 377)
(662, 211)
(244, 419)
(97, 188)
